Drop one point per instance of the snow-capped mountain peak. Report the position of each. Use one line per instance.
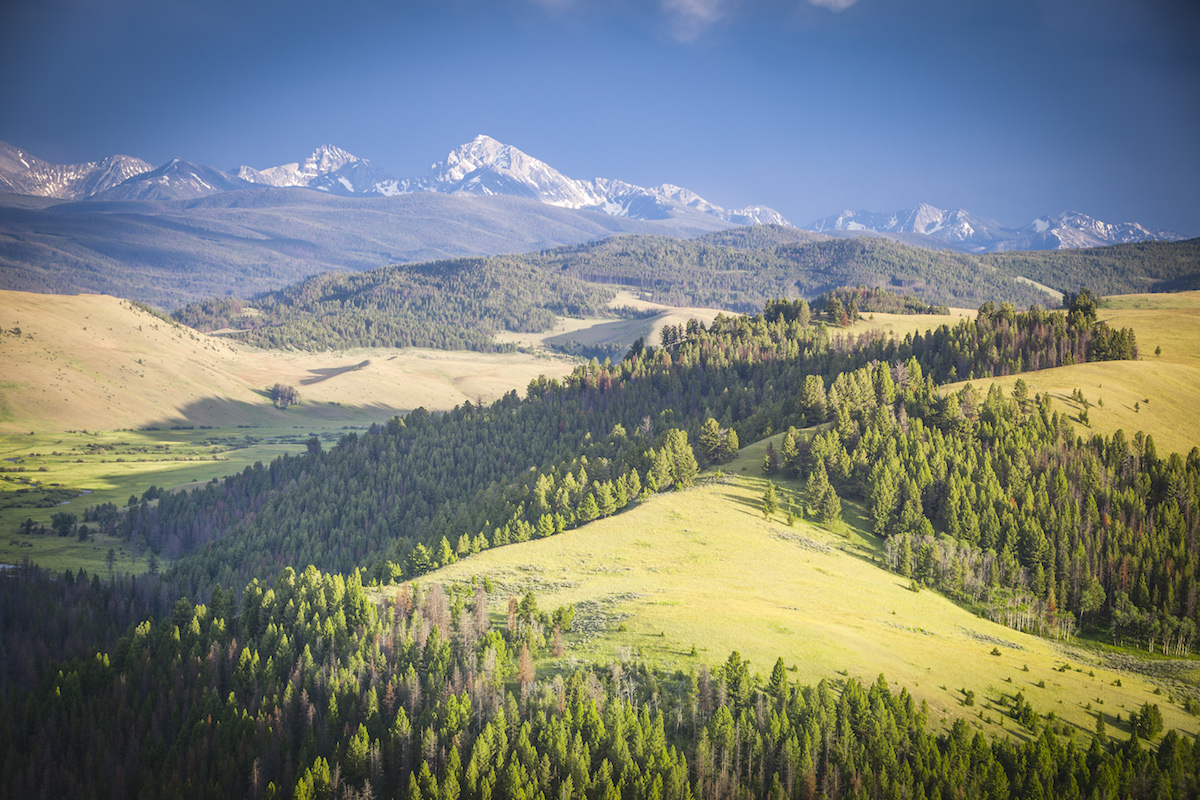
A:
(485, 166)
(1071, 229)
(22, 173)
(325, 160)
(488, 167)
(964, 231)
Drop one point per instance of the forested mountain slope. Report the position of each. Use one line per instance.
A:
(739, 270)
(428, 487)
(450, 305)
(261, 239)
(1119, 269)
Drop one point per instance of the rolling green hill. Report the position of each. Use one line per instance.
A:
(686, 577)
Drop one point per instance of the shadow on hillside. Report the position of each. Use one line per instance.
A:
(326, 373)
(621, 331)
(852, 531)
(223, 412)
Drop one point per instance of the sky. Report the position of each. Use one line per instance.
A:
(1011, 109)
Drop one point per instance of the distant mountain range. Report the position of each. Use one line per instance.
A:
(966, 232)
(183, 231)
(481, 167)
(22, 173)
(485, 167)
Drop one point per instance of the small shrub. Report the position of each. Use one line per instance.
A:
(995, 651)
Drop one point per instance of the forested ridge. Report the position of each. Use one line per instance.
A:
(696, 273)
(463, 303)
(427, 489)
(1119, 269)
(449, 305)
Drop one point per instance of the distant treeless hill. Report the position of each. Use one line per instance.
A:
(97, 362)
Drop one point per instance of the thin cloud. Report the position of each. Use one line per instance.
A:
(691, 17)
(834, 5)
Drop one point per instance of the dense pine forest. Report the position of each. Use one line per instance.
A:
(481, 475)
(280, 656)
(449, 305)
(1120, 269)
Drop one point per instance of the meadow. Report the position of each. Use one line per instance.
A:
(684, 578)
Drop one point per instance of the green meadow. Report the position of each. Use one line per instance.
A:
(682, 579)
(44, 474)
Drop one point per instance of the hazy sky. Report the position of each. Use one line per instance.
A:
(1009, 108)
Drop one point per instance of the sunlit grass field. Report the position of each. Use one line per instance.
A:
(100, 397)
(1158, 394)
(682, 579)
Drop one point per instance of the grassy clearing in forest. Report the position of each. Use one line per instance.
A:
(681, 580)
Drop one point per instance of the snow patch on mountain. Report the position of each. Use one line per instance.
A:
(175, 180)
(23, 173)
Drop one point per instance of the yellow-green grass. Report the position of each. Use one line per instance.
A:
(1157, 394)
(82, 372)
(597, 331)
(704, 569)
(600, 331)
(899, 325)
(1152, 301)
(97, 363)
(58, 553)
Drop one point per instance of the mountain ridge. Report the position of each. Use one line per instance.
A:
(486, 167)
(970, 233)
(26, 174)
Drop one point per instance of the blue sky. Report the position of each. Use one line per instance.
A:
(1010, 109)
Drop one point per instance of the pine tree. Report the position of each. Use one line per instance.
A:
(789, 453)
(770, 501)
(730, 449)
(709, 440)
(770, 460)
(813, 399)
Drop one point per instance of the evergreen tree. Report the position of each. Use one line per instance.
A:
(770, 501)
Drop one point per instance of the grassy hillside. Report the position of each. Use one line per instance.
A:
(96, 362)
(1156, 394)
(681, 580)
(98, 395)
